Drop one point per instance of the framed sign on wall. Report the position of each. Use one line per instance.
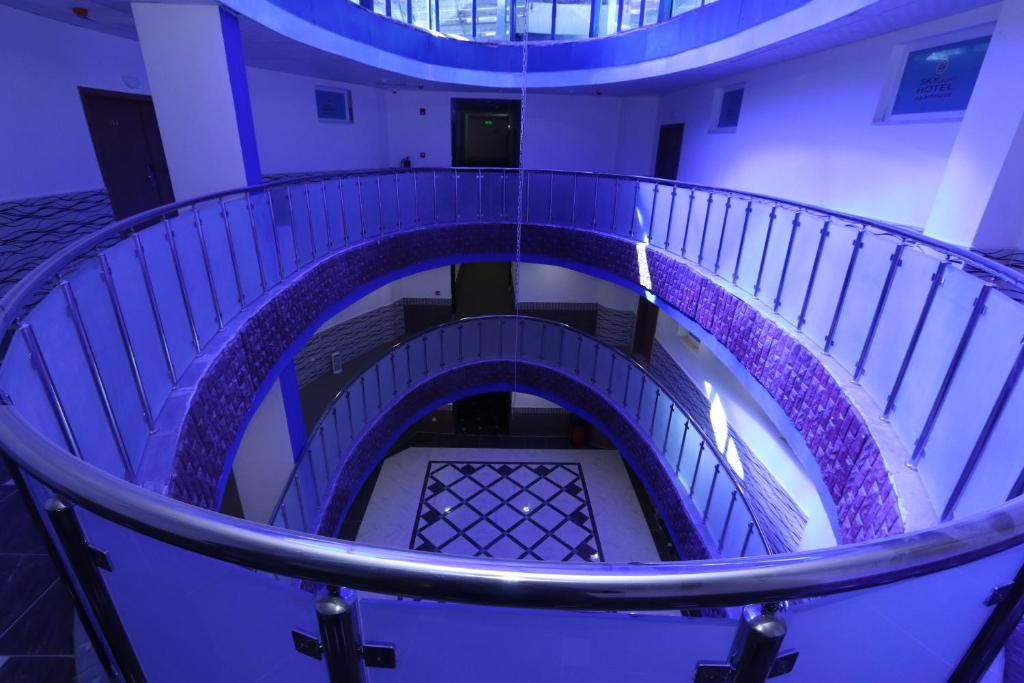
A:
(936, 78)
(333, 105)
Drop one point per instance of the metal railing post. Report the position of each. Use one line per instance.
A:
(82, 560)
(757, 644)
(336, 614)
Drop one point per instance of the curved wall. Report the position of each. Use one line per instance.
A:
(226, 387)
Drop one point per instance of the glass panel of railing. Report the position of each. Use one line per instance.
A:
(348, 201)
(641, 227)
(92, 313)
(911, 284)
(747, 265)
(840, 248)
(455, 17)
(629, 14)
(584, 200)
(261, 217)
(389, 387)
(421, 14)
(490, 19)
(616, 377)
(492, 192)
(242, 243)
(290, 514)
(235, 624)
(300, 220)
(355, 406)
(649, 405)
(605, 203)
(674, 239)
(633, 382)
(803, 237)
(551, 341)
(774, 255)
(563, 192)
(723, 495)
(661, 207)
(899, 632)
(186, 247)
(711, 218)
(332, 446)
(940, 336)
(690, 455)
(309, 491)
(680, 6)
(284, 226)
(468, 644)
(63, 363)
(730, 233)
(571, 353)
(702, 475)
(217, 257)
(443, 208)
(143, 335)
(607, 15)
(156, 259)
(740, 532)
(316, 200)
(317, 454)
(572, 19)
(406, 216)
(21, 379)
(433, 351)
(624, 206)
(984, 366)
(372, 194)
(693, 226)
(868, 280)
(469, 194)
(536, 19)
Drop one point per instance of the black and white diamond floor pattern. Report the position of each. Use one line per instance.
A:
(507, 510)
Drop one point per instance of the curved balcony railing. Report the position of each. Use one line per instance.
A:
(124, 314)
(688, 454)
(528, 20)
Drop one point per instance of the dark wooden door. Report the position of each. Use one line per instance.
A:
(485, 132)
(646, 328)
(128, 148)
(670, 144)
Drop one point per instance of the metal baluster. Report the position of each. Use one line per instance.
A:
(668, 426)
(277, 238)
(209, 268)
(743, 239)
(256, 242)
(947, 380)
(632, 215)
(551, 182)
(597, 194)
(704, 230)
(309, 219)
(327, 216)
(504, 191)
(858, 244)
(785, 263)
(362, 210)
(649, 232)
(147, 279)
(376, 373)
(746, 541)
(441, 333)
(129, 349)
(764, 250)
(460, 342)
(97, 378)
(169, 233)
(394, 375)
(561, 344)
(937, 278)
(479, 189)
(408, 365)
(682, 445)
(593, 369)
(721, 236)
(686, 226)
(640, 399)
(426, 366)
(895, 261)
(348, 406)
(398, 204)
(728, 518)
(231, 253)
(543, 328)
(362, 395)
(341, 207)
(415, 196)
(611, 375)
(456, 186)
(323, 447)
(696, 468)
(654, 413)
(434, 176)
(480, 339)
(291, 219)
(625, 393)
(579, 352)
(380, 206)
(671, 211)
(572, 214)
(711, 491)
(312, 478)
(43, 370)
(615, 203)
(1009, 384)
(823, 235)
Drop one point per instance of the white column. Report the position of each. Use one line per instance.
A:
(193, 57)
(980, 201)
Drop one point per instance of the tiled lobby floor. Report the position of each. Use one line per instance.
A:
(561, 505)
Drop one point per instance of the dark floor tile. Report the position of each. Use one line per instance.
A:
(38, 670)
(45, 628)
(23, 578)
(18, 531)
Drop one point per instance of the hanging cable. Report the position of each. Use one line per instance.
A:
(520, 208)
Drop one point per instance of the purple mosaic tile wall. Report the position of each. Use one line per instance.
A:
(643, 457)
(835, 433)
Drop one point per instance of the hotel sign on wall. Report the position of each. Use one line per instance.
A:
(940, 79)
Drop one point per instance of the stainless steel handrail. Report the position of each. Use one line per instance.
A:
(642, 367)
(602, 586)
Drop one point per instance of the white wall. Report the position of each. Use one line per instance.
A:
(806, 131)
(570, 132)
(428, 284)
(540, 283)
(45, 147)
(264, 459)
(291, 139)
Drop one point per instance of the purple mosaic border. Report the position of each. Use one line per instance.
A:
(835, 432)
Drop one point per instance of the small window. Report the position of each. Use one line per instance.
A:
(334, 106)
(729, 109)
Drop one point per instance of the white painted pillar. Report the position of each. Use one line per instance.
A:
(980, 202)
(193, 57)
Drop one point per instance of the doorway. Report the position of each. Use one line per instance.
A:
(485, 133)
(128, 148)
(670, 144)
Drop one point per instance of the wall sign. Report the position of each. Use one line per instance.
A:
(941, 78)
(334, 105)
